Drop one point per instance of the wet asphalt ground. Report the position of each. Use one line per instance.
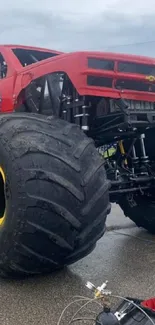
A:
(127, 262)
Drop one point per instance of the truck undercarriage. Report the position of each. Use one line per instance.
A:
(119, 128)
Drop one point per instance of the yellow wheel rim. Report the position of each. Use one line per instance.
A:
(2, 174)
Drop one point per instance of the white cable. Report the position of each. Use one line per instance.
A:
(83, 318)
(87, 309)
(76, 301)
(73, 317)
(71, 303)
(125, 299)
(83, 297)
(94, 300)
(132, 236)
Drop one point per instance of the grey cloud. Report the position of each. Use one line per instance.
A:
(102, 32)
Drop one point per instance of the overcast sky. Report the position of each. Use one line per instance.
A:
(70, 25)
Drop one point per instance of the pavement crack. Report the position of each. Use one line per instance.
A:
(111, 228)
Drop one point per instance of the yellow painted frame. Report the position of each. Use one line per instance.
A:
(2, 218)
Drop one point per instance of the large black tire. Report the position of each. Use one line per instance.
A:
(56, 194)
(140, 209)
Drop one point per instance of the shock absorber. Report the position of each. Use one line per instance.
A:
(76, 110)
(144, 158)
(80, 112)
(121, 147)
(65, 108)
(85, 116)
(135, 159)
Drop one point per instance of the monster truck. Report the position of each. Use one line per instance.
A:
(76, 132)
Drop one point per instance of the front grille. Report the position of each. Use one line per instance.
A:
(136, 68)
(135, 85)
(140, 105)
(99, 81)
(101, 64)
(121, 84)
(134, 105)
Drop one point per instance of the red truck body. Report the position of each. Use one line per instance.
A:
(92, 73)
